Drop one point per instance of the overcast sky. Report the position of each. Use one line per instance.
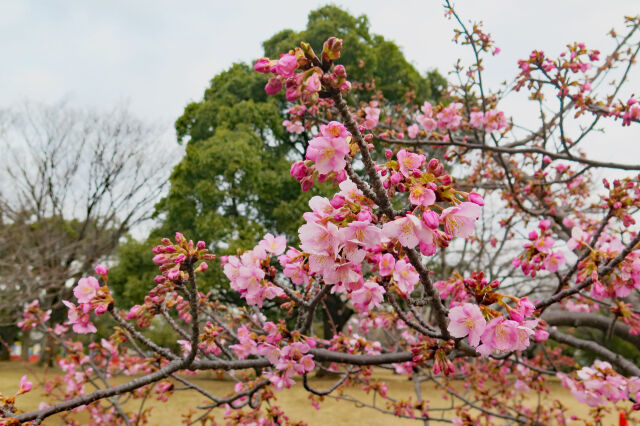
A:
(160, 55)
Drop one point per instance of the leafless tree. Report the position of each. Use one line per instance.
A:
(73, 183)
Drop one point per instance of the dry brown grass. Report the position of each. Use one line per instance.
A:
(293, 401)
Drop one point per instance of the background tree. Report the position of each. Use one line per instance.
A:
(75, 182)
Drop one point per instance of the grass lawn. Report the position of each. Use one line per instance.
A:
(293, 401)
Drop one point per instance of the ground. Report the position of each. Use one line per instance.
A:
(293, 401)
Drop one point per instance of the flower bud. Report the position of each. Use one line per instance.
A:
(298, 170)
(476, 198)
(101, 270)
(173, 273)
(273, 85)
(340, 71)
(159, 259)
(292, 93)
(431, 219)
(331, 49)
(201, 245)
(307, 183)
(345, 86)
(388, 154)
(337, 201)
(263, 65)
(396, 178)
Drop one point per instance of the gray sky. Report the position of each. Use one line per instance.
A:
(160, 55)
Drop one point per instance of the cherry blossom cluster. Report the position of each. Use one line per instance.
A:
(452, 118)
(250, 273)
(599, 383)
(91, 297)
(306, 84)
(174, 260)
(499, 334)
(295, 124)
(33, 315)
(624, 279)
(539, 254)
(371, 115)
(567, 73)
(326, 156)
(288, 359)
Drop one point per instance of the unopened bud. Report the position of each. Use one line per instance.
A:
(331, 49)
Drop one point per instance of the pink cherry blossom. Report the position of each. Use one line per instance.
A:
(421, 196)
(500, 334)
(25, 385)
(273, 85)
(386, 264)
(495, 120)
(328, 154)
(409, 161)
(459, 220)
(293, 126)
(363, 233)
(368, 296)
(274, 245)
(405, 276)
(578, 238)
(372, 117)
(413, 130)
(286, 65)
(334, 129)
(409, 230)
(476, 119)
(319, 239)
(427, 123)
(86, 289)
(553, 261)
(449, 118)
(263, 65)
(79, 318)
(467, 320)
(544, 245)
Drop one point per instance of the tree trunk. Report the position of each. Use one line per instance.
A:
(24, 345)
(8, 334)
